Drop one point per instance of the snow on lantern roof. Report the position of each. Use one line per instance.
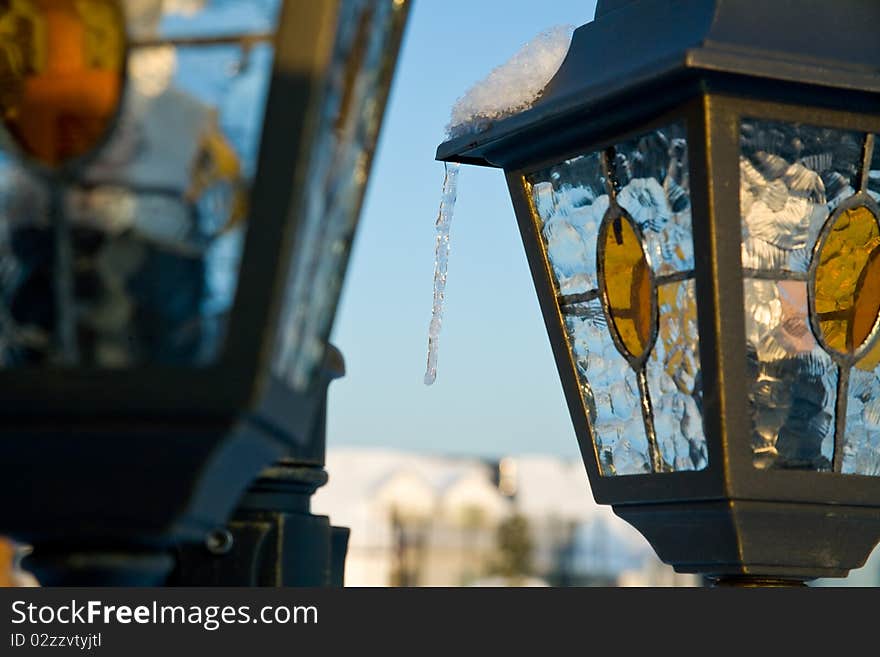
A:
(512, 87)
(633, 51)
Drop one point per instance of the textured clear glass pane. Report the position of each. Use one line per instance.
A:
(861, 450)
(792, 381)
(200, 18)
(655, 191)
(792, 177)
(610, 393)
(570, 201)
(138, 252)
(356, 86)
(674, 379)
(874, 173)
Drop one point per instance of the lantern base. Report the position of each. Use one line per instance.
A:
(747, 582)
(733, 539)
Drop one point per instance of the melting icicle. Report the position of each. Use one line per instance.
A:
(510, 88)
(441, 260)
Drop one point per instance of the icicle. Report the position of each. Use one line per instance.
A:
(441, 260)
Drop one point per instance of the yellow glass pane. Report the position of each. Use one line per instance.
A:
(868, 307)
(847, 283)
(628, 288)
(61, 74)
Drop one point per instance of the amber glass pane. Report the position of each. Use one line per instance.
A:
(627, 285)
(868, 307)
(847, 294)
(61, 74)
(866, 302)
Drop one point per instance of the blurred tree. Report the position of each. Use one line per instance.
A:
(11, 573)
(410, 539)
(514, 558)
(472, 523)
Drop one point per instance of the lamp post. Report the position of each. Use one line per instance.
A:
(272, 538)
(172, 257)
(696, 191)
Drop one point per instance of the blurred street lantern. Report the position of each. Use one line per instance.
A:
(11, 573)
(697, 190)
(179, 186)
(7, 563)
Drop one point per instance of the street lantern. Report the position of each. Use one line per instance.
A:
(697, 190)
(180, 185)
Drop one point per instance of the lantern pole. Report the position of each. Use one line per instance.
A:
(754, 582)
(272, 538)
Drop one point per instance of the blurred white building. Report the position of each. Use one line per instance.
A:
(433, 521)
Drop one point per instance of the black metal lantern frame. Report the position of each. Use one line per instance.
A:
(715, 65)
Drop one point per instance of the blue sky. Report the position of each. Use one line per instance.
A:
(497, 390)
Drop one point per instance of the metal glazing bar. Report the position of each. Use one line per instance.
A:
(65, 302)
(244, 40)
(150, 190)
(867, 157)
(580, 297)
(584, 297)
(583, 311)
(611, 184)
(648, 418)
(675, 277)
(840, 416)
(843, 314)
(779, 275)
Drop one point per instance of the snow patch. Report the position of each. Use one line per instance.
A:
(513, 86)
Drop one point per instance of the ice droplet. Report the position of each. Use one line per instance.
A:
(441, 261)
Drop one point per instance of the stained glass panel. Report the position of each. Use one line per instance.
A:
(570, 201)
(794, 179)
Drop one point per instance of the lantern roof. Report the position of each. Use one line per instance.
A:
(656, 46)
